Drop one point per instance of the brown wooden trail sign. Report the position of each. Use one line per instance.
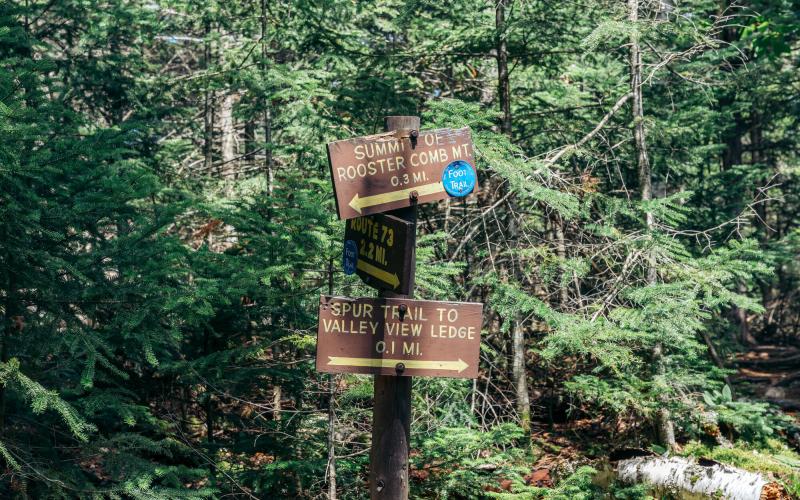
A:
(406, 337)
(395, 169)
(379, 248)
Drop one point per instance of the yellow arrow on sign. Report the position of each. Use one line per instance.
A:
(458, 366)
(357, 203)
(382, 275)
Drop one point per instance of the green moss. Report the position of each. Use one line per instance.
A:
(792, 485)
(773, 457)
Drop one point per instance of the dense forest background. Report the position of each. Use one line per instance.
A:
(168, 225)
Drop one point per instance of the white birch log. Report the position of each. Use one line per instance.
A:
(682, 475)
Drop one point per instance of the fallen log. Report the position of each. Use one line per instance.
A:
(782, 362)
(784, 404)
(773, 348)
(788, 378)
(701, 479)
(754, 379)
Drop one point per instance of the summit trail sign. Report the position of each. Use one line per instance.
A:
(399, 169)
(403, 337)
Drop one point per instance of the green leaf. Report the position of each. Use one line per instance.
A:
(727, 396)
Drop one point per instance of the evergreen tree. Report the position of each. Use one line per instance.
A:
(168, 225)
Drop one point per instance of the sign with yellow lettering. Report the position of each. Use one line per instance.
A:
(399, 337)
(395, 169)
(384, 251)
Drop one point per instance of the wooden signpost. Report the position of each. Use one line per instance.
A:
(396, 169)
(399, 337)
(393, 336)
(383, 246)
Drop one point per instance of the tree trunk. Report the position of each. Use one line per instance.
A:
(249, 142)
(209, 403)
(733, 138)
(664, 425)
(228, 136)
(331, 412)
(521, 375)
(639, 137)
(561, 251)
(331, 437)
(208, 107)
(268, 163)
(745, 337)
(712, 351)
(769, 292)
(518, 369)
(277, 397)
(276, 390)
(666, 432)
(504, 88)
(10, 313)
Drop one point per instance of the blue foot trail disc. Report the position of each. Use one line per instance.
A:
(350, 257)
(459, 178)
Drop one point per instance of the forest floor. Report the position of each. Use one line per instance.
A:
(771, 373)
(768, 373)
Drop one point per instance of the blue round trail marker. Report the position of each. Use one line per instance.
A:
(350, 257)
(459, 178)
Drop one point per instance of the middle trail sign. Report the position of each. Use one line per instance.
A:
(399, 169)
(380, 249)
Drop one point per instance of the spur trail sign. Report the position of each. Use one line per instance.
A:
(399, 169)
(388, 336)
(380, 249)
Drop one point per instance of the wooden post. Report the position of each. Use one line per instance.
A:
(391, 413)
